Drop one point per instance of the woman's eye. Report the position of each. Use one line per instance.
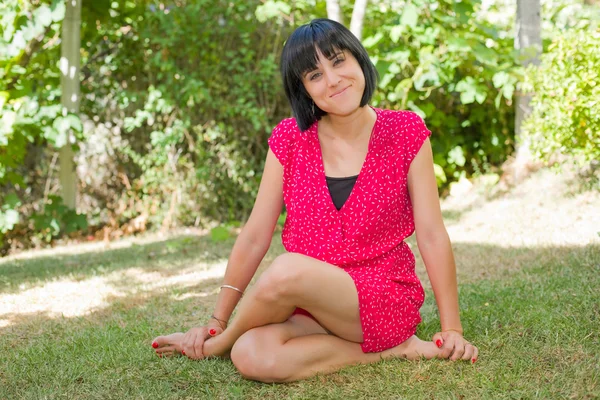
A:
(336, 61)
(314, 76)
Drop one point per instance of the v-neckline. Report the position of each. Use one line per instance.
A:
(359, 178)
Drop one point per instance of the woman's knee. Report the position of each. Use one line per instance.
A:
(282, 277)
(256, 358)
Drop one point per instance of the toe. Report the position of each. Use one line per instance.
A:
(159, 342)
(173, 339)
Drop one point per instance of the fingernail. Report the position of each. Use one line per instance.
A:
(183, 352)
(473, 360)
(212, 332)
(154, 344)
(438, 343)
(160, 355)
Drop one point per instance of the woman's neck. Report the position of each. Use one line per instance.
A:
(348, 127)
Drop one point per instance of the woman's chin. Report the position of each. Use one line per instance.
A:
(343, 110)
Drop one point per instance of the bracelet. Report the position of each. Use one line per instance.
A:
(454, 330)
(232, 287)
(219, 321)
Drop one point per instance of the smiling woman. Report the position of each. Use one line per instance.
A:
(345, 292)
(313, 57)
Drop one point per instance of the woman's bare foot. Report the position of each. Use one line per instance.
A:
(169, 345)
(415, 349)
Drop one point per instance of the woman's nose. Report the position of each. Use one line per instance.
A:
(332, 78)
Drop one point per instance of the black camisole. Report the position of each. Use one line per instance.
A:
(340, 188)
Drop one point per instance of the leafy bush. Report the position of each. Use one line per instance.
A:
(57, 219)
(444, 61)
(194, 112)
(31, 116)
(178, 99)
(566, 98)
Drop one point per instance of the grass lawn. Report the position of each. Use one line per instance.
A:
(77, 322)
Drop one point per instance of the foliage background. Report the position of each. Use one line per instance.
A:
(179, 97)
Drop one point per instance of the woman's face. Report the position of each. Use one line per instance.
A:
(336, 85)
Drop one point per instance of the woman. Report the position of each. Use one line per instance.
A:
(356, 181)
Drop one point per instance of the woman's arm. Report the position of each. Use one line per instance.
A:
(432, 237)
(255, 238)
(248, 251)
(434, 245)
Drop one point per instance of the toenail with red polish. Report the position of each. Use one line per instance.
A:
(155, 345)
(160, 355)
(473, 360)
(183, 352)
(438, 343)
(212, 332)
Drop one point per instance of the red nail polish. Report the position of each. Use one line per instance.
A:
(473, 360)
(160, 355)
(155, 345)
(212, 332)
(183, 352)
(438, 343)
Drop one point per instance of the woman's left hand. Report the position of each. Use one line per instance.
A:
(455, 347)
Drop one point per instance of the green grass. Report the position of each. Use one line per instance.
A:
(166, 257)
(536, 323)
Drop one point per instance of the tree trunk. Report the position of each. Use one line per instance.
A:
(358, 16)
(592, 2)
(334, 11)
(528, 42)
(69, 67)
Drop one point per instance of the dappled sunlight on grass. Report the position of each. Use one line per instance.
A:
(167, 257)
(180, 297)
(61, 298)
(186, 277)
(72, 298)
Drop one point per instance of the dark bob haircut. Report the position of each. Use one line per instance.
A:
(300, 55)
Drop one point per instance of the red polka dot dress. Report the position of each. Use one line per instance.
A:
(366, 236)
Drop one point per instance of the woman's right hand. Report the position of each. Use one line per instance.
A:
(193, 340)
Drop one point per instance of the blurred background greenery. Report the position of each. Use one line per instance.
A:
(175, 101)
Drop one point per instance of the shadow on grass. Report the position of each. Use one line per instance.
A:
(523, 305)
(164, 257)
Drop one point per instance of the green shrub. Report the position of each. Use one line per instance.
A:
(457, 71)
(194, 110)
(57, 219)
(566, 98)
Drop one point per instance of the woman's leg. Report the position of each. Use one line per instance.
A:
(300, 348)
(295, 280)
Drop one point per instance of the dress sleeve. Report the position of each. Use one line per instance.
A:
(280, 140)
(415, 133)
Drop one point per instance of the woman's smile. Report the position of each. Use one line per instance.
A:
(340, 92)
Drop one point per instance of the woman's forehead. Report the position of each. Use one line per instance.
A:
(315, 55)
(332, 54)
